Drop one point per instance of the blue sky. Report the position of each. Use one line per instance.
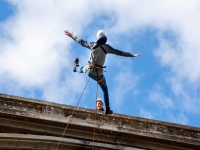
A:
(163, 84)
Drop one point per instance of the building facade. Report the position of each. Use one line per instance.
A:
(34, 124)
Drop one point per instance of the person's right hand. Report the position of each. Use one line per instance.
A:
(135, 55)
(68, 33)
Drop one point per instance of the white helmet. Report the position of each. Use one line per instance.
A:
(100, 34)
(99, 99)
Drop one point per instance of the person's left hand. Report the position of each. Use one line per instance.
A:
(68, 33)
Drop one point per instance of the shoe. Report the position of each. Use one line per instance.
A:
(76, 61)
(108, 111)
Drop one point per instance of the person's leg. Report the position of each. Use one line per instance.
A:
(105, 91)
(76, 64)
(79, 69)
(103, 87)
(106, 96)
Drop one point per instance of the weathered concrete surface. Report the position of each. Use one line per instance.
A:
(34, 124)
(24, 141)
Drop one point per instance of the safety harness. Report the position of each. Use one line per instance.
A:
(96, 67)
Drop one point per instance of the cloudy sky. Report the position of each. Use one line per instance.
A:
(36, 57)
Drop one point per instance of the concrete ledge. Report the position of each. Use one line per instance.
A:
(40, 118)
(16, 141)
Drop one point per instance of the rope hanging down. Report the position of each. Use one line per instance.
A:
(72, 114)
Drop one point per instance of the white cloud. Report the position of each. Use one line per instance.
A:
(160, 99)
(179, 17)
(35, 51)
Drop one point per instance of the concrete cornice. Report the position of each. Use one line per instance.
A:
(128, 126)
(13, 141)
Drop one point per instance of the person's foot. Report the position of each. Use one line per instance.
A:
(108, 111)
(76, 61)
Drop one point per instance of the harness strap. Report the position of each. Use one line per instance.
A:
(99, 81)
(103, 49)
(95, 66)
(98, 67)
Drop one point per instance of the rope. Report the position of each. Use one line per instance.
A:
(94, 120)
(72, 114)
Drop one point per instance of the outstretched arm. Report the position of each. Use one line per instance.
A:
(78, 40)
(111, 50)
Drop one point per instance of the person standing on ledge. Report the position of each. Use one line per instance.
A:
(94, 68)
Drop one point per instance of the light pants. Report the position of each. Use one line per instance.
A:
(102, 84)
